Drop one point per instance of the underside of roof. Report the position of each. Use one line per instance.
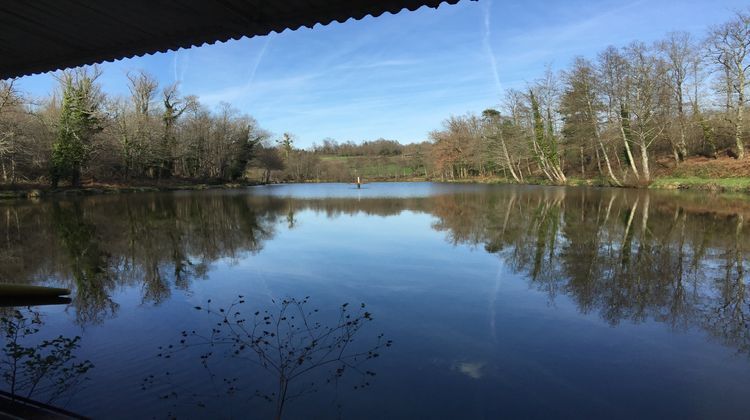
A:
(45, 35)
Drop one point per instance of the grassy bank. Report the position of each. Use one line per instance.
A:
(739, 185)
(707, 184)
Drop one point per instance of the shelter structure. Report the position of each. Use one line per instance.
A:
(46, 35)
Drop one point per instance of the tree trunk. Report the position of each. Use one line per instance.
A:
(599, 140)
(624, 118)
(609, 166)
(583, 165)
(507, 159)
(740, 111)
(626, 142)
(644, 161)
(681, 143)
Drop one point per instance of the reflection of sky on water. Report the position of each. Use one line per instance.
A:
(368, 190)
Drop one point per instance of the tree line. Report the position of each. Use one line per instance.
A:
(612, 116)
(154, 133)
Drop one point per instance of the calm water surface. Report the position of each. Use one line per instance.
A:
(500, 302)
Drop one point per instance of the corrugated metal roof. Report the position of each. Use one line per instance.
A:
(44, 35)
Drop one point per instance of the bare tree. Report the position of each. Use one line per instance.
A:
(494, 133)
(543, 97)
(581, 108)
(730, 48)
(613, 71)
(174, 106)
(137, 140)
(645, 93)
(678, 51)
(9, 99)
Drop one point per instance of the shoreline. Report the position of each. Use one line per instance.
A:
(35, 191)
(713, 185)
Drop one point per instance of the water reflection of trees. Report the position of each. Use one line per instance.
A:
(159, 242)
(624, 254)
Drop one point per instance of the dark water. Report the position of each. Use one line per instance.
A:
(501, 302)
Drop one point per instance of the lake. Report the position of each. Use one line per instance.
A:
(394, 301)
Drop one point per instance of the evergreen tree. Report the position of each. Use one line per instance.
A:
(79, 122)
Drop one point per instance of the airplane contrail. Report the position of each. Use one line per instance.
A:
(258, 60)
(488, 47)
(182, 65)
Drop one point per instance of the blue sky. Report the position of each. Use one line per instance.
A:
(398, 76)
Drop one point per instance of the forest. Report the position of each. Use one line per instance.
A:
(622, 118)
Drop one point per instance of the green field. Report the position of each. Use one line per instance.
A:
(380, 167)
